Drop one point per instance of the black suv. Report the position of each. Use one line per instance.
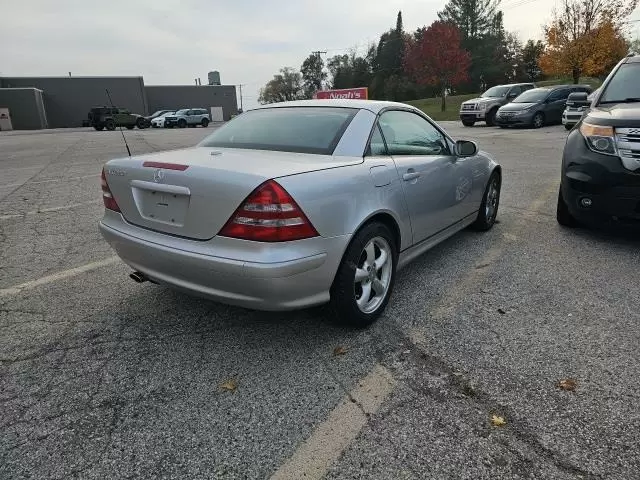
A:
(112, 117)
(600, 181)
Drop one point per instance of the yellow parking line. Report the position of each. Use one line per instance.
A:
(57, 276)
(331, 438)
(334, 435)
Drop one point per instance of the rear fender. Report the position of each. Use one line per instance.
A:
(339, 201)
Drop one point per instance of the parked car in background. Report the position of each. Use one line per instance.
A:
(157, 114)
(538, 107)
(158, 122)
(188, 117)
(298, 204)
(112, 117)
(485, 107)
(600, 175)
(576, 105)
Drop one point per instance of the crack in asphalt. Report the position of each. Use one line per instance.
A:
(461, 387)
(51, 161)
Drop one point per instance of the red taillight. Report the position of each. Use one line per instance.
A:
(107, 197)
(269, 214)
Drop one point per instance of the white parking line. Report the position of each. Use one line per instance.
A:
(58, 276)
(49, 181)
(48, 210)
(314, 457)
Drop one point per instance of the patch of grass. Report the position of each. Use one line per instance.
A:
(431, 106)
(594, 82)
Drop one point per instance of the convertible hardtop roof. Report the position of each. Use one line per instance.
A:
(374, 106)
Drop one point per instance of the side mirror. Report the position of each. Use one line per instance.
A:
(578, 96)
(511, 96)
(466, 148)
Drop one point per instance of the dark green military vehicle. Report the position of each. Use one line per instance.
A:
(112, 117)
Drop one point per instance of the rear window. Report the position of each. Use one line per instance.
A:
(286, 129)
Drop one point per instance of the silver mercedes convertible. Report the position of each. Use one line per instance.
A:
(298, 204)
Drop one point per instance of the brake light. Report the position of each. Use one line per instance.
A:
(166, 166)
(269, 214)
(107, 196)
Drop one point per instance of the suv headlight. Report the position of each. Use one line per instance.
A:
(482, 106)
(599, 139)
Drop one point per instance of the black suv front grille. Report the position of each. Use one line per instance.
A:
(628, 144)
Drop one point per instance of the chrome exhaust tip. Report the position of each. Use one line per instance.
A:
(138, 277)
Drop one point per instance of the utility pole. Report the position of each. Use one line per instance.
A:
(240, 86)
(317, 53)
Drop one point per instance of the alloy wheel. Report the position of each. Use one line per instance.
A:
(373, 275)
(492, 200)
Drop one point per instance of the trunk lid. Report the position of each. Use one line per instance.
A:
(196, 201)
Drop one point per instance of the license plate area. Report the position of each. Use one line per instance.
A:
(167, 204)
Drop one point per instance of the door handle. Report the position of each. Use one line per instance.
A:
(407, 177)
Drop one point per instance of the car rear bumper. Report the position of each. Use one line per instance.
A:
(224, 274)
(612, 192)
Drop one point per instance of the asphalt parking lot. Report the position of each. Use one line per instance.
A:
(101, 377)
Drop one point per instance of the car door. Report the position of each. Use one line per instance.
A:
(556, 104)
(436, 190)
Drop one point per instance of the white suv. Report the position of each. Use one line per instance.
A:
(158, 122)
(188, 117)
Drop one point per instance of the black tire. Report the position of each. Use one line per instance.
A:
(468, 123)
(182, 123)
(129, 127)
(568, 127)
(141, 123)
(490, 118)
(538, 120)
(99, 127)
(205, 122)
(563, 216)
(343, 290)
(487, 217)
(110, 125)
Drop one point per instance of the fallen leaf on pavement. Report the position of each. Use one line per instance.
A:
(340, 350)
(230, 385)
(568, 384)
(497, 421)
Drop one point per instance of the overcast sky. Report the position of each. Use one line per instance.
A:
(173, 42)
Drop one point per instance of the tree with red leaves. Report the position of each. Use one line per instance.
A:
(437, 59)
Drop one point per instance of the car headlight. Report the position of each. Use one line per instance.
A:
(482, 106)
(599, 139)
